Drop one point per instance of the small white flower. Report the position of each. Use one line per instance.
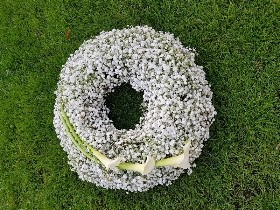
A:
(177, 101)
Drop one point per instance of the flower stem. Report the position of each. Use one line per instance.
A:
(74, 137)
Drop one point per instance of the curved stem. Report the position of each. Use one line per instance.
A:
(80, 147)
(98, 157)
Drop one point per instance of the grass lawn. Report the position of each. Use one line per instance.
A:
(237, 42)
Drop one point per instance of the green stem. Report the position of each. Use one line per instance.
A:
(98, 157)
(130, 166)
(74, 137)
(168, 161)
(93, 151)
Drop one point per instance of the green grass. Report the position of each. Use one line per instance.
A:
(125, 106)
(237, 43)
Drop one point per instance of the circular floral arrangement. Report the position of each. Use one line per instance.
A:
(176, 102)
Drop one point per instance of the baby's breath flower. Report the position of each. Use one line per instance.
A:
(177, 102)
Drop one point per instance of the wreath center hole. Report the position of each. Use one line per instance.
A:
(125, 107)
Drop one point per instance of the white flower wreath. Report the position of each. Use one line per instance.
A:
(177, 103)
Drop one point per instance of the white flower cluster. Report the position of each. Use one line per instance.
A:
(176, 102)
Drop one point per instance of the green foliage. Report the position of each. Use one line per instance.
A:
(238, 44)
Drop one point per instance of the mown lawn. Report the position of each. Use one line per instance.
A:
(238, 44)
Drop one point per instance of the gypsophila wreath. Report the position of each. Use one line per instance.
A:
(176, 99)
